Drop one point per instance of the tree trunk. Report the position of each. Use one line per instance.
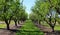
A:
(38, 22)
(15, 23)
(7, 23)
(8, 28)
(18, 22)
(21, 21)
(52, 28)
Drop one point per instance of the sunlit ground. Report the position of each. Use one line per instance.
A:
(3, 25)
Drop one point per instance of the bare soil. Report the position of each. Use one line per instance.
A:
(12, 30)
(47, 30)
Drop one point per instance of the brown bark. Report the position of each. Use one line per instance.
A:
(18, 22)
(7, 23)
(15, 23)
(8, 28)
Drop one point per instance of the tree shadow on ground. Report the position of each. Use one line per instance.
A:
(3, 29)
(57, 32)
(14, 30)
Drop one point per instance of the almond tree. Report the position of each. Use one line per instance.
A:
(43, 7)
(5, 11)
(19, 13)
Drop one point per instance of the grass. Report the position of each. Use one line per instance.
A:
(45, 24)
(3, 25)
(57, 27)
(29, 26)
(29, 29)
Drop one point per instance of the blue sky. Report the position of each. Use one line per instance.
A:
(28, 4)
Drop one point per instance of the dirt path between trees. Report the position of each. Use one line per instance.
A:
(43, 28)
(47, 30)
(10, 32)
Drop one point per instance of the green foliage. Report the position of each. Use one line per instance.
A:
(55, 4)
(33, 16)
(5, 10)
(23, 15)
(11, 10)
(19, 12)
(41, 9)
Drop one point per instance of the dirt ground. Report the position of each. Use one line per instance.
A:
(10, 32)
(6, 32)
(46, 30)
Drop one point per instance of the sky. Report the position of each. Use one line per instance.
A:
(28, 4)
